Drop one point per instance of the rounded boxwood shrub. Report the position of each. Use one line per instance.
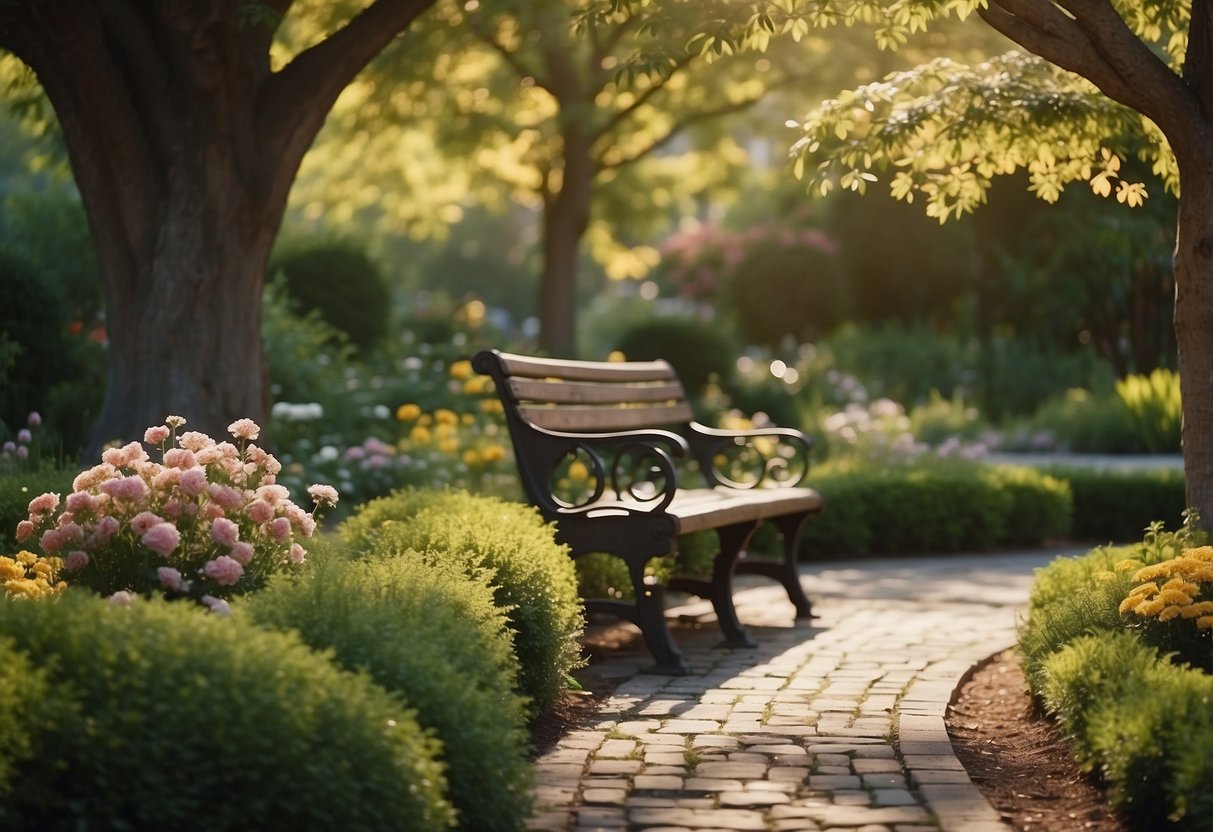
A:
(433, 634)
(181, 719)
(696, 349)
(1118, 505)
(341, 283)
(532, 576)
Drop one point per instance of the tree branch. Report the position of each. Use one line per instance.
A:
(293, 102)
(642, 99)
(511, 58)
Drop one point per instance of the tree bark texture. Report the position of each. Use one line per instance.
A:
(566, 216)
(184, 146)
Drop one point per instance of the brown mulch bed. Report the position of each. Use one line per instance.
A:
(1018, 759)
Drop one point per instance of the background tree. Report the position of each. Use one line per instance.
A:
(185, 122)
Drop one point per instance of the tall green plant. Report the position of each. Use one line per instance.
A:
(1156, 406)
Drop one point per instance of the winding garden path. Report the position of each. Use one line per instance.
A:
(833, 724)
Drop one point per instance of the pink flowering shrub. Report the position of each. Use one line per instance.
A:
(208, 521)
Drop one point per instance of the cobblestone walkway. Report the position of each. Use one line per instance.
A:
(835, 724)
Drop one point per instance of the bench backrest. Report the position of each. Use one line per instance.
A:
(586, 396)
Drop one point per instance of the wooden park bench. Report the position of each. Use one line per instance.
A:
(627, 423)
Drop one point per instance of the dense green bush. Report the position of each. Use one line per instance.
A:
(1116, 506)
(532, 576)
(431, 633)
(341, 283)
(1142, 722)
(933, 507)
(33, 316)
(33, 705)
(778, 291)
(1086, 422)
(1136, 716)
(904, 363)
(17, 488)
(697, 349)
(1156, 407)
(181, 719)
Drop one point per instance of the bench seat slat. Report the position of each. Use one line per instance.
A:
(527, 367)
(578, 392)
(710, 508)
(604, 419)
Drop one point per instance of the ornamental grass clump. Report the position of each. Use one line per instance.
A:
(207, 522)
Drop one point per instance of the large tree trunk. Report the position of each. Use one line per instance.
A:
(566, 215)
(1194, 329)
(184, 144)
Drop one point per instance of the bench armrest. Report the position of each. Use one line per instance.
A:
(763, 457)
(637, 466)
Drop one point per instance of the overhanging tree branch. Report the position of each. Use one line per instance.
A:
(294, 101)
(639, 101)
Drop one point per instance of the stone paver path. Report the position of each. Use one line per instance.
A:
(834, 724)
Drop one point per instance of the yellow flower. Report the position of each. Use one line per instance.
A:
(468, 419)
(1204, 553)
(617, 355)
(578, 471)
(408, 412)
(425, 419)
(1149, 573)
(1150, 588)
(10, 570)
(448, 446)
(28, 558)
(461, 369)
(1173, 596)
(491, 406)
(444, 430)
(1127, 564)
(471, 457)
(1170, 613)
(420, 434)
(443, 416)
(493, 453)
(23, 588)
(1198, 609)
(1131, 603)
(1205, 622)
(475, 385)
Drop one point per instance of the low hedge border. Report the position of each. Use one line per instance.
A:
(1136, 718)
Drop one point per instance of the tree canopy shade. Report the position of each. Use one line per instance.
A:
(185, 122)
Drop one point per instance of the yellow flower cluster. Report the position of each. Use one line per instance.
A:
(1176, 597)
(26, 575)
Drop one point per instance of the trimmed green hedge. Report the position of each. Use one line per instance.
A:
(427, 631)
(168, 717)
(532, 577)
(934, 507)
(1117, 506)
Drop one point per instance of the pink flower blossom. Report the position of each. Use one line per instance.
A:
(272, 494)
(192, 482)
(217, 605)
(225, 496)
(162, 538)
(106, 528)
(128, 454)
(51, 541)
(22, 452)
(175, 421)
(75, 560)
(44, 503)
(93, 476)
(182, 458)
(301, 520)
(142, 522)
(244, 429)
(169, 577)
(280, 529)
(223, 570)
(242, 552)
(121, 598)
(25, 436)
(79, 501)
(69, 530)
(297, 553)
(212, 510)
(324, 495)
(25, 530)
(133, 489)
(192, 440)
(166, 479)
(35, 419)
(224, 531)
(156, 435)
(259, 511)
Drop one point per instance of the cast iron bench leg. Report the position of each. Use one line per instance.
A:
(785, 570)
(732, 543)
(650, 618)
